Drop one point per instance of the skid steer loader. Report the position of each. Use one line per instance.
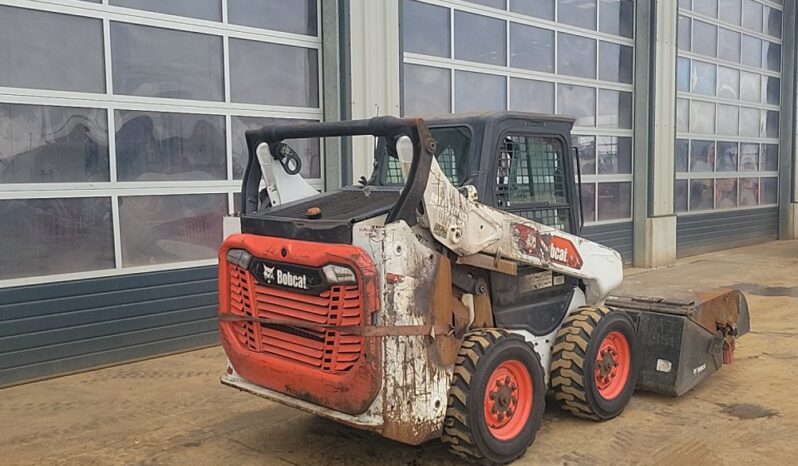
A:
(444, 296)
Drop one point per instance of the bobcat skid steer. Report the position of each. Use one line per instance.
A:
(444, 296)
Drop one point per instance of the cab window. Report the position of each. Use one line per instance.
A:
(454, 148)
(531, 179)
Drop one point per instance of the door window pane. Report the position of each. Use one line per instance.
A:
(255, 80)
(425, 28)
(680, 195)
(577, 101)
(152, 146)
(749, 157)
(749, 122)
(615, 109)
(730, 11)
(615, 63)
(479, 38)
(682, 115)
(702, 117)
(617, 17)
(588, 195)
(576, 56)
(684, 38)
(477, 92)
(614, 201)
(686, 4)
(587, 153)
(40, 144)
(771, 123)
(297, 16)
(51, 236)
(749, 192)
(770, 157)
(702, 156)
(43, 50)
(727, 157)
(200, 9)
(683, 74)
(427, 90)
(527, 95)
(773, 22)
(614, 155)
(706, 7)
(681, 155)
(580, 13)
(155, 62)
(531, 48)
(705, 38)
(725, 193)
(771, 54)
(752, 15)
(701, 195)
(703, 78)
(309, 150)
(770, 191)
(729, 45)
(164, 229)
(728, 119)
(751, 51)
(772, 90)
(728, 83)
(750, 86)
(539, 8)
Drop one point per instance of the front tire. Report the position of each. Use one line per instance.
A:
(496, 400)
(595, 363)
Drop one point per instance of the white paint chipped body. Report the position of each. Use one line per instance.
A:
(466, 227)
(414, 387)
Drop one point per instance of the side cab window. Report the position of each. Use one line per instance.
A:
(531, 179)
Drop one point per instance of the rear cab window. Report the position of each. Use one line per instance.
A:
(452, 153)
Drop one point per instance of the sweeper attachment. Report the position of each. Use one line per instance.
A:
(444, 296)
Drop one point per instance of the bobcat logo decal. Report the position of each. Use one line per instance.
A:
(268, 273)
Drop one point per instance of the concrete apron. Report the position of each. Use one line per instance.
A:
(172, 410)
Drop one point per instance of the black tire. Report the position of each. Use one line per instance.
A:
(574, 362)
(466, 430)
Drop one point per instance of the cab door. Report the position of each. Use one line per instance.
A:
(534, 179)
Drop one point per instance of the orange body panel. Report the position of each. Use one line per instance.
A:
(319, 365)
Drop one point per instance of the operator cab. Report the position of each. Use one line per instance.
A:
(519, 162)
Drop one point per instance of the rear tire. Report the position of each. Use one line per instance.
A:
(595, 363)
(496, 400)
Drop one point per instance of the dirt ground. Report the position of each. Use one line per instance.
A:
(172, 410)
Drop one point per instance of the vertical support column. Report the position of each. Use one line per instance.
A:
(374, 39)
(655, 133)
(331, 83)
(788, 131)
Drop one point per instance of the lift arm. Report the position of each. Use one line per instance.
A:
(466, 227)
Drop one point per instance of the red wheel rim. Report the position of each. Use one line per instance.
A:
(508, 400)
(613, 361)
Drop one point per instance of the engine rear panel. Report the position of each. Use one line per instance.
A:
(327, 367)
